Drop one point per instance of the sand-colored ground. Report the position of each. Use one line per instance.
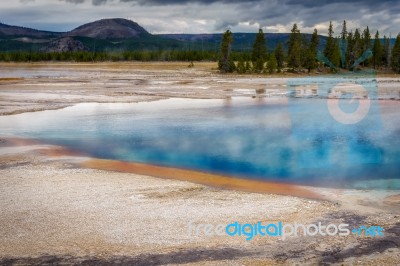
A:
(52, 210)
(55, 207)
(40, 86)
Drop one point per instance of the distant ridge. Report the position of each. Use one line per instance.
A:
(115, 28)
(8, 30)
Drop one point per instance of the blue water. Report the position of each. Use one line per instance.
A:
(293, 142)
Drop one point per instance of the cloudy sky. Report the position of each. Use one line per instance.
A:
(207, 16)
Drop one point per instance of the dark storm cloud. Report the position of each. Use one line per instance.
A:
(94, 2)
(99, 2)
(304, 3)
(391, 6)
(75, 1)
(311, 3)
(182, 2)
(158, 2)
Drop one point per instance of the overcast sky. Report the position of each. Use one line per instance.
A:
(207, 16)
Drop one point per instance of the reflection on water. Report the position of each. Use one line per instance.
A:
(249, 138)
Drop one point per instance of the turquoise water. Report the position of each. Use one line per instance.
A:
(269, 139)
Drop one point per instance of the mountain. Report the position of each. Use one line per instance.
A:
(116, 28)
(15, 31)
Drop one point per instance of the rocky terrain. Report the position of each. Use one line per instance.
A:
(65, 44)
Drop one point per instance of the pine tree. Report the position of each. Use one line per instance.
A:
(350, 50)
(366, 39)
(336, 56)
(304, 53)
(386, 51)
(294, 48)
(396, 55)
(330, 45)
(343, 50)
(343, 44)
(272, 64)
(366, 44)
(377, 51)
(259, 53)
(225, 64)
(280, 56)
(314, 49)
(357, 46)
(344, 31)
(311, 62)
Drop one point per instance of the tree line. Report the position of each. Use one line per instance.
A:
(143, 56)
(348, 50)
(88, 56)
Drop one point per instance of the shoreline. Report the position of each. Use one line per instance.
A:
(218, 181)
(172, 173)
(211, 66)
(203, 178)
